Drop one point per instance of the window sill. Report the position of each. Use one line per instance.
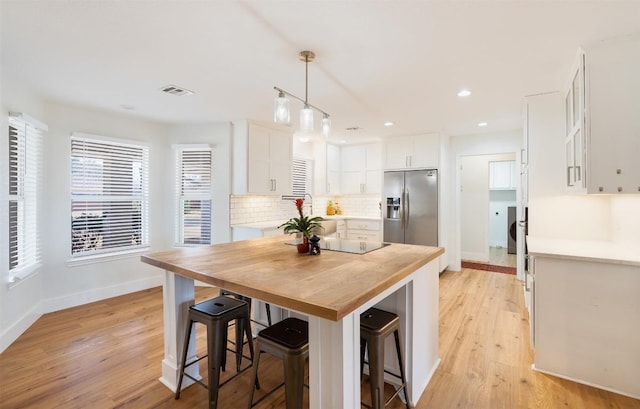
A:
(99, 258)
(17, 277)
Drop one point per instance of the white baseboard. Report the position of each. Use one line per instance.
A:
(595, 385)
(474, 256)
(97, 294)
(19, 327)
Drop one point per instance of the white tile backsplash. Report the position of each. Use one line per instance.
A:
(252, 209)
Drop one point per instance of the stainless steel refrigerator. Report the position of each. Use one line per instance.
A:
(411, 213)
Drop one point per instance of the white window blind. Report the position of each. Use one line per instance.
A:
(301, 177)
(25, 159)
(193, 194)
(109, 195)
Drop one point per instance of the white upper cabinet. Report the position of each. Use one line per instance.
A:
(262, 159)
(574, 142)
(333, 169)
(502, 175)
(361, 169)
(411, 152)
(612, 105)
(602, 131)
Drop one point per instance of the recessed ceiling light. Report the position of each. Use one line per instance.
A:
(389, 123)
(464, 93)
(481, 124)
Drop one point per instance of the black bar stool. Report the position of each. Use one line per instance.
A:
(239, 329)
(375, 326)
(216, 315)
(289, 341)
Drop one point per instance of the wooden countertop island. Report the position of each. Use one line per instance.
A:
(332, 289)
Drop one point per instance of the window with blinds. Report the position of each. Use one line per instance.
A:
(301, 177)
(109, 195)
(193, 194)
(25, 159)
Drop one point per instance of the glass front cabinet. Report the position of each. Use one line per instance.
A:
(575, 176)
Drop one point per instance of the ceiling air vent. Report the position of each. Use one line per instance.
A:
(175, 90)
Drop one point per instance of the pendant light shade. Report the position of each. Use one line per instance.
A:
(306, 119)
(326, 126)
(281, 110)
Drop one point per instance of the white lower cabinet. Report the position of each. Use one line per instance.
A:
(586, 317)
(341, 229)
(363, 230)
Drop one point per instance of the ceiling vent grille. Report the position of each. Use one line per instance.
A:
(175, 90)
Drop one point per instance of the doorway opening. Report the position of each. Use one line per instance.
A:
(488, 200)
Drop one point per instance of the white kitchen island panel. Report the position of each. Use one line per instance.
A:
(587, 321)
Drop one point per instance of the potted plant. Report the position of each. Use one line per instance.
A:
(304, 225)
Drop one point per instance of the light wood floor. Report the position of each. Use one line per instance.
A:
(499, 256)
(107, 355)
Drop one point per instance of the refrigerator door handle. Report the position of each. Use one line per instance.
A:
(406, 202)
(403, 209)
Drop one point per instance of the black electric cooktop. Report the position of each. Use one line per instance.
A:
(348, 246)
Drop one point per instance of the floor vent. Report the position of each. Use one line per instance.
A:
(175, 90)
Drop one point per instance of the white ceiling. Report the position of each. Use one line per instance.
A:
(375, 60)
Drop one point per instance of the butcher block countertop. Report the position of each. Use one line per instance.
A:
(330, 285)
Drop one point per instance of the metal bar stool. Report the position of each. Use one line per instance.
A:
(239, 328)
(289, 341)
(375, 326)
(216, 315)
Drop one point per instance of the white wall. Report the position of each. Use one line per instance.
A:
(474, 204)
(499, 203)
(219, 136)
(68, 283)
(60, 282)
(469, 145)
(19, 305)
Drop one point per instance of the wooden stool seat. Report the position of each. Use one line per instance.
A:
(289, 341)
(375, 326)
(216, 315)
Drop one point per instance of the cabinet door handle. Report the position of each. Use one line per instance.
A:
(577, 176)
(526, 274)
(569, 169)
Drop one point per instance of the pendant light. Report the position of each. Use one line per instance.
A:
(282, 111)
(326, 125)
